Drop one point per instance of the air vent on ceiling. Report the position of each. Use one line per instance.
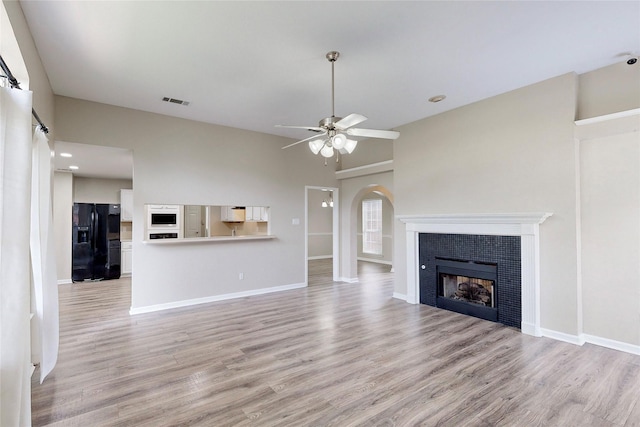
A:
(175, 101)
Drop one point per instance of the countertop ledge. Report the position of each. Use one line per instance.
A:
(218, 239)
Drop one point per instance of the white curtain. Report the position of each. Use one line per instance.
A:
(15, 184)
(43, 260)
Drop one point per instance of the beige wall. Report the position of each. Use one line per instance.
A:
(97, 190)
(511, 153)
(367, 152)
(178, 161)
(609, 90)
(610, 213)
(62, 223)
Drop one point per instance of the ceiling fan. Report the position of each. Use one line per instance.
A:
(333, 132)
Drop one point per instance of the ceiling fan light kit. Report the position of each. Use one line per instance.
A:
(333, 130)
(316, 145)
(327, 151)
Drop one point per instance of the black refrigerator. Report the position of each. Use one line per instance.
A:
(96, 241)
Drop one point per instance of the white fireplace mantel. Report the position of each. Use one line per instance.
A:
(525, 225)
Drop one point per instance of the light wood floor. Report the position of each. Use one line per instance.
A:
(332, 354)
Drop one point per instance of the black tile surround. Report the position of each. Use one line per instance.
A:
(501, 250)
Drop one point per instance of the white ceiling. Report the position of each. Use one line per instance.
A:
(253, 65)
(94, 161)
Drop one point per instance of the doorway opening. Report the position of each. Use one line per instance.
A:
(321, 232)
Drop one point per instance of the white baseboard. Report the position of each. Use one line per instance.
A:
(213, 298)
(311, 258)
(64, 281)
(377, 261)
(400, 296)
(561, 336)
(592, 339)
(348, 280)
(612, 344)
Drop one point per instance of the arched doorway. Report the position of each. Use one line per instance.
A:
(354, 232)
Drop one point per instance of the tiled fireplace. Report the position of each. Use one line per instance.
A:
(457, 242)
(477, 275)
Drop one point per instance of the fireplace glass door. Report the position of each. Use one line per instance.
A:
(467, 287)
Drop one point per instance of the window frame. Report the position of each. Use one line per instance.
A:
(372, 227)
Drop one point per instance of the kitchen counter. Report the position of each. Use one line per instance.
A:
(215, 239)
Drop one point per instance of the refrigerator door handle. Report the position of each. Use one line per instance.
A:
(94, 228)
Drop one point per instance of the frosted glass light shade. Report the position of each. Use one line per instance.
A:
(350, 145)
(327, 151)
(316, 145)
(338, 141)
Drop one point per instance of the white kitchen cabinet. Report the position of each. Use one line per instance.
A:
(126, 205)
(225, 213)
(260, 213)
(252, 213)
(126, 257)
(256, 213)
(232, 214)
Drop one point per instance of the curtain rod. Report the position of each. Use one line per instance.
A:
(16, 85)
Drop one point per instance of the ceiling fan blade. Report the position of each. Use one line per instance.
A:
(351, 120)
(310, 128)
(303, 140)
(374, 133)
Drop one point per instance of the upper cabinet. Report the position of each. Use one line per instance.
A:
(126, 205)
(256, 213)
(243, 213)
(232, 213)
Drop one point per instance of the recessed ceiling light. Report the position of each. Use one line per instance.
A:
(437, 98)
(66, 155)
(73, 168)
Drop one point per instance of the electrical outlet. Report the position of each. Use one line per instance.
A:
(241, 276)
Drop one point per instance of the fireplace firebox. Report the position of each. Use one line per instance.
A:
(467, 287)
